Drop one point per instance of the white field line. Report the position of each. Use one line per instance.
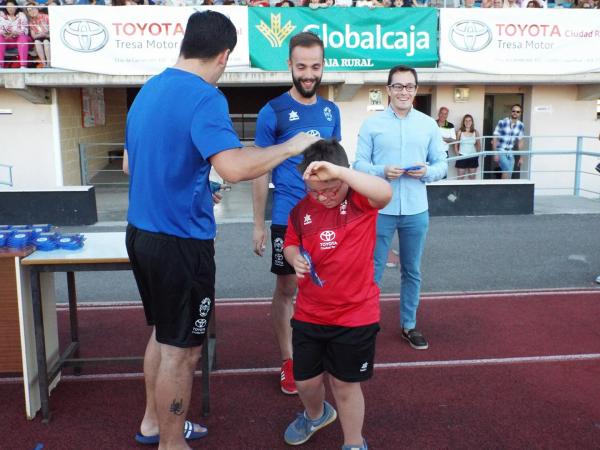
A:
(94, 306)
(382, 366)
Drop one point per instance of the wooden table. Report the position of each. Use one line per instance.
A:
(11, 361)
(101, 252)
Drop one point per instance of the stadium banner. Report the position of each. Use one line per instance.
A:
(520, 41)
(354, 38)
(130, 40)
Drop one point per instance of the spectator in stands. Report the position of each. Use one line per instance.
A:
(446, 128)
(404, 3)
(285, 3)
(468, 144)
(585, 4)
(14, 33)
(511, 4)
(497, 3)
(39, 30)
(508, 132)
(533, 4)
(469, 4)
(264, 3)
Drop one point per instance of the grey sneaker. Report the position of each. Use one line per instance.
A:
(302, 429)
(415, 339)
(364, 446)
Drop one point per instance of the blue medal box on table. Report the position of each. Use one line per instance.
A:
(42, 236)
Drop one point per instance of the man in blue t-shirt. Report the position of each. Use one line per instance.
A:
(177, 127)
(298, 110)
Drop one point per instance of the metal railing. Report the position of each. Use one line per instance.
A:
(244, 125)
(101, 164)
(554, 163)
(6, 177)
(546, 159)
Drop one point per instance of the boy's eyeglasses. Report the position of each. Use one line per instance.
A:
(327, 193)
(398, 87)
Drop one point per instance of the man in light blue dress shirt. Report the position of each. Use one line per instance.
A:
(404, 146)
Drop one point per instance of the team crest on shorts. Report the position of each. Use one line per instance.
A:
(204, 307)
(278, 245)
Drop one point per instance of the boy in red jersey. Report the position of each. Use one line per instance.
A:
(336, 317)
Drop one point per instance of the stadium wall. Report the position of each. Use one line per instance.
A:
(41, 141)
(26, 141)
(72, 132)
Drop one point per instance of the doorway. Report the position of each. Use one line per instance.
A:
(495, 108)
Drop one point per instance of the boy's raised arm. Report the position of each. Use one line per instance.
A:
(377, 190)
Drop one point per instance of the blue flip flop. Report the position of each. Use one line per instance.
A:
(188, 433)
(148, 440)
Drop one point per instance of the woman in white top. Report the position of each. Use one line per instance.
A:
(468, 144)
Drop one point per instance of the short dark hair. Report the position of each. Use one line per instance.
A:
(329, 150)
(400, 68)
(306, 39)
(516, 104)
(207, 34)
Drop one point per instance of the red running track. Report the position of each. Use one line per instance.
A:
(503, 371)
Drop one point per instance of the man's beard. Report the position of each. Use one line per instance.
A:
(303, 92)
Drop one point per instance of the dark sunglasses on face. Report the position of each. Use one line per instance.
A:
(516, 111)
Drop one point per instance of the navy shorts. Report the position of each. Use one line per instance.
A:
(279, 266)
(176, 280)
(347, 353)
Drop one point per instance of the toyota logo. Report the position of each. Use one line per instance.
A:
(200, 323)
(328, 236)
(84, 35)
(470, 35)
(313, 133)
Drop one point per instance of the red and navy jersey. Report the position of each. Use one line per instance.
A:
(340, 242)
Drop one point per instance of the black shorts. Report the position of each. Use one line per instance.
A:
(176, 280)
(469, 163)
(279, 266)
(344, 352)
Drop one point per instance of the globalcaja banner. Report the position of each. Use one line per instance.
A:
(354, 38)
(520, 41)
(130, 40)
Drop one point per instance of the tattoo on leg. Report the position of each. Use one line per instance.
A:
(177, 407)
